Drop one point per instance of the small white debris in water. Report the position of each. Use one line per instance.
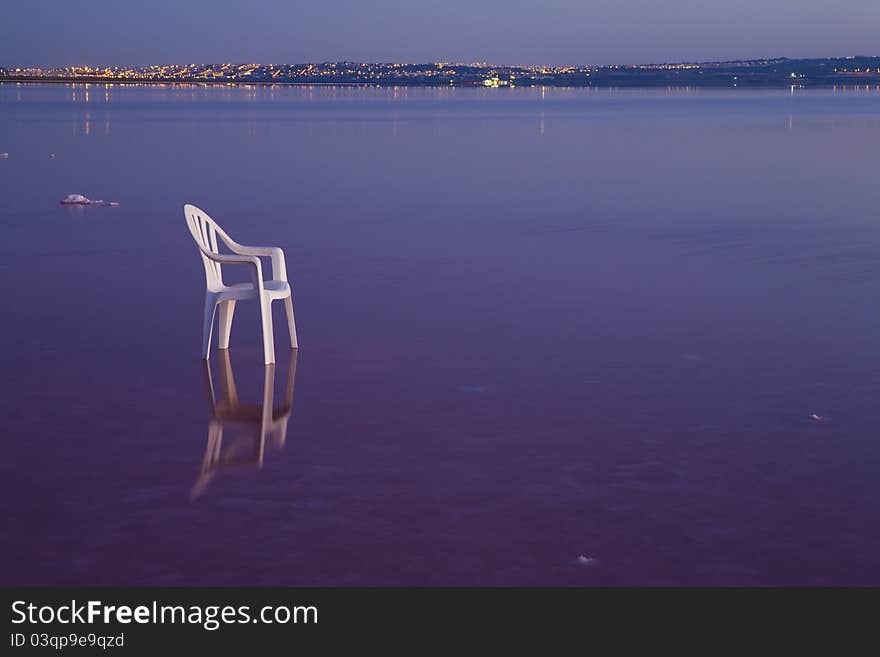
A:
(51, 156)
(79, 199)
(584, 560)
(817, 418)
(3, 156)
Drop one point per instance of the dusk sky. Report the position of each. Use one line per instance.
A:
(136, 32)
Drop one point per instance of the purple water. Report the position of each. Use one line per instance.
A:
(638, 327)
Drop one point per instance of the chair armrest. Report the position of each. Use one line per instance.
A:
(279, 267)
(238, 259)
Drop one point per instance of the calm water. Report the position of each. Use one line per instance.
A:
(533, 327)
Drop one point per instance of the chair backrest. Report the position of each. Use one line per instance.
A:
(204, 231)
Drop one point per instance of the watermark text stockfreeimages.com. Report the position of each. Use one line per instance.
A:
(210, 617)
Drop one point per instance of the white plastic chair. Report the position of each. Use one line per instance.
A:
(205, 231)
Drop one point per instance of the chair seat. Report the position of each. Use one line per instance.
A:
(240, 291)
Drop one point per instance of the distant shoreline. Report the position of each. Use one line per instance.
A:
(629, 84)
(760, 73)
(188, 83)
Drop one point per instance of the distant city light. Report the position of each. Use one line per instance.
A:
(745, 72)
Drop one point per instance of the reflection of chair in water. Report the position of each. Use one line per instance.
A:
(238, 432)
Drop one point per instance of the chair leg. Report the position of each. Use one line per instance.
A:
(291, 325)
(208, 328)
(227, 310)
(268, 335)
